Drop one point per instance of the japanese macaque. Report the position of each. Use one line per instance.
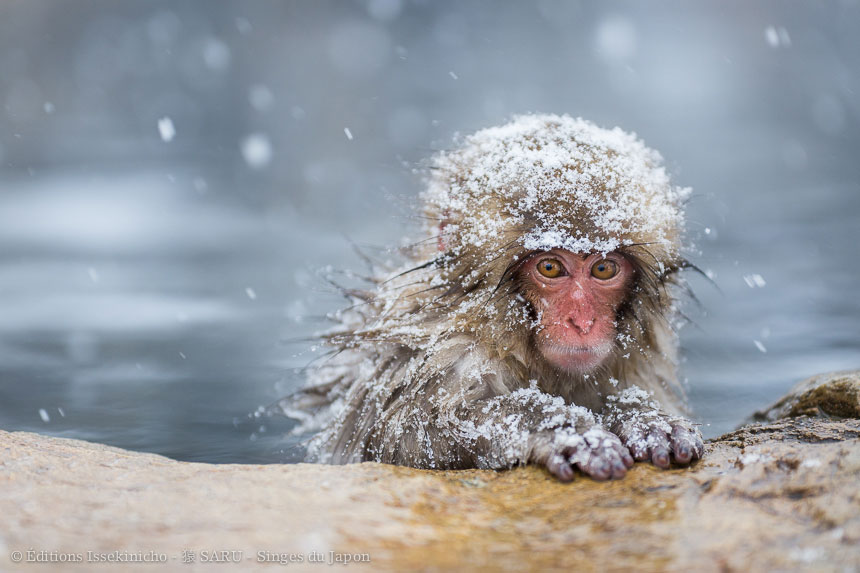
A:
(533, 324)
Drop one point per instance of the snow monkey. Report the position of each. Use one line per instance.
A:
(532, 325)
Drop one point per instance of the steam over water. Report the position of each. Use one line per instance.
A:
(173, 177)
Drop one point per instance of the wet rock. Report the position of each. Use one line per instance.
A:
(781, 495)
(835, 395)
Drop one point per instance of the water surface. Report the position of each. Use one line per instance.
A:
(155, 292)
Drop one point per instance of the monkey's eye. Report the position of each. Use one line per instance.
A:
(550, 268)
(604, 270)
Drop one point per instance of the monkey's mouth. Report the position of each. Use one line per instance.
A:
(557, 348)
(575, 357)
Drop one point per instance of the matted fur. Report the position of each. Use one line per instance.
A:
(434, 365)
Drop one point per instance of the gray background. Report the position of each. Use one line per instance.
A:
(152, 292)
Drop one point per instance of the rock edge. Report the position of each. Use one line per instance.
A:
(782, 495)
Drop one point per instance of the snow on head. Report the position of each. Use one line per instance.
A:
(554, 181)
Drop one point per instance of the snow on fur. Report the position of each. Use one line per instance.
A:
(432, 366)
(568, 175)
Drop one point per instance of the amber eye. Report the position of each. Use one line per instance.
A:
(604, 270)
(550, 268)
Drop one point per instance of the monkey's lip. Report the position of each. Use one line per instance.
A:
(573, 350)
(578, 358)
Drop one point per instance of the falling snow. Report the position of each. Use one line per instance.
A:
(166, 129)
(261, 97)
(256, 150)
(755, 281)
(777, 36)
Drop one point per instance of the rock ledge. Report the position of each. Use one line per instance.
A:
(783, 495)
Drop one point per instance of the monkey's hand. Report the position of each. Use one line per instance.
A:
(596, 452)
(651, 434)
(530, 426)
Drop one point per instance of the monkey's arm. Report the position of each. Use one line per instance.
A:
(529, 426)
(649, 432)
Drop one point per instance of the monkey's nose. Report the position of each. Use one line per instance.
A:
(581, 324)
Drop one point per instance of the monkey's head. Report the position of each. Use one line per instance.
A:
(552, 230)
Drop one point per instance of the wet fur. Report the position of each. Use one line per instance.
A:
(403, 378)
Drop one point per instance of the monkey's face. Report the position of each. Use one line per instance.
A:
(577, 298)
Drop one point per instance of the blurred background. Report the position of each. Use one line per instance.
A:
(174, 175)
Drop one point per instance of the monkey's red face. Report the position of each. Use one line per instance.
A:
(577, 297)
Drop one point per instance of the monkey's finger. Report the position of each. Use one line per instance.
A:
(658, 447)
(615, 456)
(597, 467)
(560, 468)
(624, 453)
(660, 457)
(605, 463)
(682, 445)
(619, 455)
(627, 459)
(698, 447)
(565, 473)
(638, 446)
(619, 467)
